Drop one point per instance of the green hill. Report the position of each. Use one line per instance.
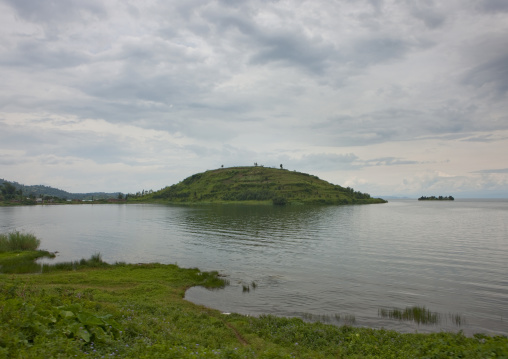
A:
(257, 185)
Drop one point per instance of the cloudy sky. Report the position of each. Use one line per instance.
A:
(390, 97)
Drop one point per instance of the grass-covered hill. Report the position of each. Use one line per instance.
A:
(258, 185)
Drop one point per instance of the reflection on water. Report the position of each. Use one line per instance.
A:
(313, 262)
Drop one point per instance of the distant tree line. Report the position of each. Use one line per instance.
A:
(356, 194)
(434, 198)
(24, 192)
(138, 194)
(9, 191)
(12, 193)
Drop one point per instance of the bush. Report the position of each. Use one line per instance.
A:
(16, 241)
(95, 261)
(279, 201)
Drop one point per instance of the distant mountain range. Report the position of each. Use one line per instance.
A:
(41, 190)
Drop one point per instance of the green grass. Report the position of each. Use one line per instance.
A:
(421, 315)
(95, 261)
(18, 252)
(417, 314)
(16, 241)
(92, 309)
(256, 185)
(347, 319)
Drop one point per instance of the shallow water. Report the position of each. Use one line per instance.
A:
(337, 264)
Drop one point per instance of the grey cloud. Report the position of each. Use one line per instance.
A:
(483, 138)
(290, 46)
(157, 70)
(449, 119)
(18, 138)
(375, 127)
(493, 6)
(255, 74)
(493, 72)
(321, 161)
(101, 149)
(104, 150)
(287, 46)
(389, 161)
(237, 20)
(155, 51)
(138, 92)
(12, 160)
(51, 160)
(135, 86)
(501, 170)
(485, 185)
(376, 4)
(452, 121)
(294, 49)
(346, 161)
(42, 54)
(426, 11)
(377, 50)
(57, 10)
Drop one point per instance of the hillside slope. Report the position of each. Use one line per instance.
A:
(260, 185)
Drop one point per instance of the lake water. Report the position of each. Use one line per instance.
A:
(339, 264)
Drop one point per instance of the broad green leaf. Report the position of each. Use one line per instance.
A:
(98, 333)
(84, 334)
(89, 319)
(66, 314)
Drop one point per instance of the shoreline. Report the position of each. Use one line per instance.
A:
(96, 309)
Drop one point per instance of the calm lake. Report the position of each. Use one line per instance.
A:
(338, 264)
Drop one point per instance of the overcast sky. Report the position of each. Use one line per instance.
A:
(402, 97)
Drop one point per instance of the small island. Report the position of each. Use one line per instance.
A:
(256, 185)
(434, 198)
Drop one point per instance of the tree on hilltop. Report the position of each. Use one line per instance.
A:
(8, 190)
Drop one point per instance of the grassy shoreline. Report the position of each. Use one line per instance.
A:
(91, 309)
